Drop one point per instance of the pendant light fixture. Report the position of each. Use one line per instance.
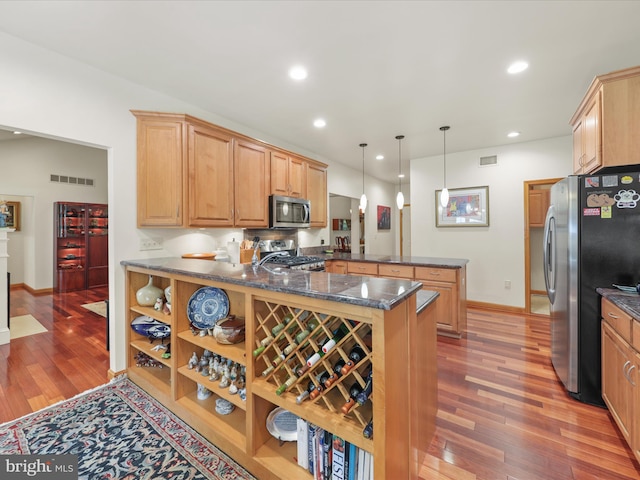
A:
(400, 197)
(444, 195)
(363, 198)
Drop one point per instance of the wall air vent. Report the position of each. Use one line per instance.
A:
(490, 160)
(87, 182)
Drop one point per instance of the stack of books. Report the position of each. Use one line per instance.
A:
(328, 457)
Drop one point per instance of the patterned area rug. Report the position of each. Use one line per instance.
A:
(97, 307)
(119, 432)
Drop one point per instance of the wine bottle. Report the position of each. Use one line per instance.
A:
(335, 375)
(304, 395)
(286, 385)
(368, 430)
(320, 387)
(362, 397)
(338, 334)
(355, 355)
(280, 326)
(353, 392)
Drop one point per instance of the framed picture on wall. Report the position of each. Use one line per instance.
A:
(13, 215)
(384, 218)
(467, 207)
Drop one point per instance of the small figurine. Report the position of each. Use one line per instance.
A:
(214, 369)
(193, 361)
(158, 305)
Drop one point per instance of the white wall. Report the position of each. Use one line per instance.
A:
(62, 99)
(26, 165)
(495, 253)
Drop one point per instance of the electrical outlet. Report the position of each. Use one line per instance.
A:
(507, 284)
(150, 244)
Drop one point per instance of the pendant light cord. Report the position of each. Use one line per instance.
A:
(363, 145)
(444, 151)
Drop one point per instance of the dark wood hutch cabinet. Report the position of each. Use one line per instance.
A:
(81, 258)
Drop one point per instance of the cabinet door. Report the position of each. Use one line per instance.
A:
(251, 180)
(210, 178)
(635, 428)
(591, 136)
(297, 177)
(97, 261)
(538, 206)
(279, 174)
(161, 167)
(446, 311)
(317, 194)
(577, 147)
(617, 391)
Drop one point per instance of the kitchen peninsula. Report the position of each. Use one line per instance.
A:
(392, 321)
(447, 276)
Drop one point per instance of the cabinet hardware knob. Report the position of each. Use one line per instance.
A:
(612, 315)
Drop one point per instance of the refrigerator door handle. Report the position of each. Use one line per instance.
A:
(549, 255)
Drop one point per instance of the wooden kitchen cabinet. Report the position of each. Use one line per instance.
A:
(620, 363)
(288, 175)
(317, 193)
(336, 266)
(210, 177)
(539, 200)
(161, 169)
(606, 124)
(451, 311)
(195, 174)
(251, 186)
(450, 283)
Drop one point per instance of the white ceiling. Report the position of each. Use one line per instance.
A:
(376, 68)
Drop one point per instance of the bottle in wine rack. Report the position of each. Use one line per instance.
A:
(338, 334)
(320, 387)
(286, 385)
(362, 397)
(355, 355)
(304, 395)
(335, 375)
(368, 430)
(353, 393)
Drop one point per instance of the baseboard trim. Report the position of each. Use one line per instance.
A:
(539, 292)
(494, 307)
(32, 291)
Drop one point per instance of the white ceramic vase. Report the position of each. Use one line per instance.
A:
(148, 294)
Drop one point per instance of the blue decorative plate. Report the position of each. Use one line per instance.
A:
(206, 306)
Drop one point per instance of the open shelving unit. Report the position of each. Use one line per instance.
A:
(382, 336)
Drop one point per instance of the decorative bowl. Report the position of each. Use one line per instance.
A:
(229, 331)
(150, 327)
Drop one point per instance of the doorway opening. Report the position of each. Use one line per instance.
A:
(536, 204)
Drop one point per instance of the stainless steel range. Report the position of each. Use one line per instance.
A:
(283, 253)
(299, 262)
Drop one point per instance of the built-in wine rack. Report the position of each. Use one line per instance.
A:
(289, 344)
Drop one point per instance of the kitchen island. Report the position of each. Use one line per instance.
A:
(447, 276)
(390, 321)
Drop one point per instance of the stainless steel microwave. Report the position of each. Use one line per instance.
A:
(289, 212)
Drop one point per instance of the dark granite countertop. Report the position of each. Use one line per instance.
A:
(398, 260)
(380, 293)
(629, 302)
(425, 298)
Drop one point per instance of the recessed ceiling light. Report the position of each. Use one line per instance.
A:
(379, 157)
(401, 175)
(513, 134)
(17, 133)
(319, 123)
(298, 72)
(517, 67)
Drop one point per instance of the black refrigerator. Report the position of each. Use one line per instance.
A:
(591, 240)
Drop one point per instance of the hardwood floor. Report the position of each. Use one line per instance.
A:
(71, 357)
(503, 414)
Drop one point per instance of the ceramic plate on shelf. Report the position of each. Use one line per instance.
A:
(282, 424)
(206, 306)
